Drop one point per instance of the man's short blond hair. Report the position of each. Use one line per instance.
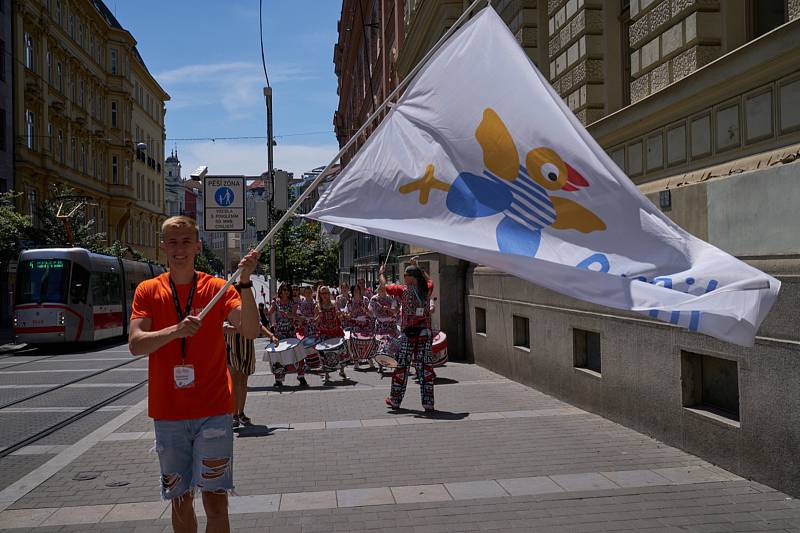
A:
(180, 221)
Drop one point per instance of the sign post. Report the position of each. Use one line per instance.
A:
(224, 206)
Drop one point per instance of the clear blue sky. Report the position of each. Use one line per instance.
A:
(206, 55)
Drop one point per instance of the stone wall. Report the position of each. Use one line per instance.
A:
(644, 371)
(669, 40)
(575, 51)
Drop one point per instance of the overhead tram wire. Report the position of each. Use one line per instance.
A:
(261, 35)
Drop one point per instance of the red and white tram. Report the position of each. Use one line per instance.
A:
(74, 295)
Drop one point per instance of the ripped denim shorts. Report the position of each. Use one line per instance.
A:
(195, 454)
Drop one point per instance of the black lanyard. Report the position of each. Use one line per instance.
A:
(183, 314)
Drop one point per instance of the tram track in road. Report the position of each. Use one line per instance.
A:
(68, 383)
(28, 362)
(27, 441)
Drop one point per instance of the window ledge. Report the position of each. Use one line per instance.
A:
(587, 372)
(522, 348)
(481, 334)
(710, 415)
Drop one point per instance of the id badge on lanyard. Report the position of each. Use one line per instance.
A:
(183, 375)
(419, 311)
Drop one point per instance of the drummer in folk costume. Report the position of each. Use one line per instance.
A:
(283, 313)
(306, 309)
(358, 313)
(343, 301)
(383, 309)
(415, 336)
(329, 325)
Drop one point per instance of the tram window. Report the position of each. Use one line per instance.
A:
(42, 281)
(105, 288)
(79, 288)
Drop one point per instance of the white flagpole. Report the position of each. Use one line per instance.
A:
(314, 184)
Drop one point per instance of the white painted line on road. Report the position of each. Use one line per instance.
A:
(395, 420)
(56, 409)
(362, 387)
(41, 449)
(38, 386)
(30, 481)
(371, 496)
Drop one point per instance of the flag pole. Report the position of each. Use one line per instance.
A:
(314, 184)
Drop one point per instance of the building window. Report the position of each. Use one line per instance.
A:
(586, 350)
(114, 170)
(625, 51)
(765, 16)
(50, 137)
(59, 79)
(30, 130)
(3, 130)
(83, 157)
(83, 93)
(127, 173)
(113, 62)
(58, 11)
(522, 336)
(480, 321)
(74, 152)
(113, 114)
(710, 384)
(49, 67)
(32, 204)
(30, 58)
(60, 146)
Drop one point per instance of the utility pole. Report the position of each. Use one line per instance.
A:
(271, 172)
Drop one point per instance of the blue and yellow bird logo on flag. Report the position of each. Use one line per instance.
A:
(522, 193)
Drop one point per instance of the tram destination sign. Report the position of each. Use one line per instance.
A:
(223, 203)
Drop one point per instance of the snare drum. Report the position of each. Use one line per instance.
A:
(388, 348)
(333, 353)
(307, 344)
(361, 348)
(284, 356)
(439, 349)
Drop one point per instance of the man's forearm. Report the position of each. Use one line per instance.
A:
(146, 342)
(251, 323)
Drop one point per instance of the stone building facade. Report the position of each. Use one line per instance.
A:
(371, 35)
(89, 114)
(6, 99)
(698, 101)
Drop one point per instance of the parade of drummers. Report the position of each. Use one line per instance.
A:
(421, 266)
(388, 330)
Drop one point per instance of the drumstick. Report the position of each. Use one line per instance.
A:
(388, 254)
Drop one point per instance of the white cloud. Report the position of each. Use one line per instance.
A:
(250, 158)
(237, 86)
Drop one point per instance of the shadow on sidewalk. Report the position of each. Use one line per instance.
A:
(297, 388)
(256, 430)
(435, 415)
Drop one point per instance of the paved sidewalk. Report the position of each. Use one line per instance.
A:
(498, 456)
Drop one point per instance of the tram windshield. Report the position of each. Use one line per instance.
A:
(42, 281)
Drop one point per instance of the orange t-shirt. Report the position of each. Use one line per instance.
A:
(205, 351)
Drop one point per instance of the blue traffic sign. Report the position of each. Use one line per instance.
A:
(224, 196)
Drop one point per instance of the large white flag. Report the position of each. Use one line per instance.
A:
(482, 160)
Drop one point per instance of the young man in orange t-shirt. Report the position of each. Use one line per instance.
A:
(189, 386)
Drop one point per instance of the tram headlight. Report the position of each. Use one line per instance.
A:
(60, 319)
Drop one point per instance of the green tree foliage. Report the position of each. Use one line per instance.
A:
(208, 262)
(303, 255)
(52, 232)
(14, 227)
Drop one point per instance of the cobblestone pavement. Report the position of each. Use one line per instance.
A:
(497, 456)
